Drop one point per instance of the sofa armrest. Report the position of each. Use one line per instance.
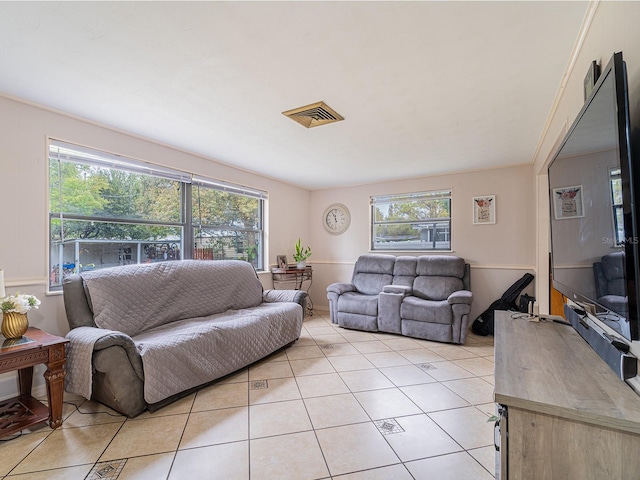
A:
(461, 296)
(340, 288)
(125, 342)
(399, 289)
(115, 339)
(76, 304)
(296, 296)
(118, 375)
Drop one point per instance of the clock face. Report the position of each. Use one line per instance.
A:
(336, 219)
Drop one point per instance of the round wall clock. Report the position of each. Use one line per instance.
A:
(336, 219)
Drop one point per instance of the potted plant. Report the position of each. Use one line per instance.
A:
(14, 314)
(301, 255)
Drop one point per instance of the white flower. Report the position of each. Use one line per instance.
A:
(19, 303)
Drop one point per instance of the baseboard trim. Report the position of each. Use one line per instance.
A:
(9, 386)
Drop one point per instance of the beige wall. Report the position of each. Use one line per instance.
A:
(499, 253)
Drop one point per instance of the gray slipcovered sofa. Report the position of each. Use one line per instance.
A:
(144, 335)
(424, 297)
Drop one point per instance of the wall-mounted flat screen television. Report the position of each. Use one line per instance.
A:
(594, 239)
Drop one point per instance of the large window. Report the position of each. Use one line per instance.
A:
(411, 221)
(106, 210)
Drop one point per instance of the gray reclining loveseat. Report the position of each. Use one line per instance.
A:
(424, 297)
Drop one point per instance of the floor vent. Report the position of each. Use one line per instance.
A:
(258, 384)
(426, 366)
(314, 115)
(107, 470)
(388, 426)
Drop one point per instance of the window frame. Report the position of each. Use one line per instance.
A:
(432, 223)
(259, 195)
(617, 207)
(186, 224)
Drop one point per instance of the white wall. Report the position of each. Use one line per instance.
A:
(499, 253)
(23, 195)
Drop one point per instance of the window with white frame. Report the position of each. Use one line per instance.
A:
(227, 221)
(107, 210)
(411, 221)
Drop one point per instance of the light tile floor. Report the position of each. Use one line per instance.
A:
(338, 404)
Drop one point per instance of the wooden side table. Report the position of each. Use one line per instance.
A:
(34, 348)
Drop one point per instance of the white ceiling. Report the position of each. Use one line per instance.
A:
(425, 87)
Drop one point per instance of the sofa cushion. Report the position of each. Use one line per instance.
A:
(432, 311)
(440, 265)
(371, 283)
(435, 288)
(358, 322)
(170, 291)
(404, 271)
(372, 272)
(438, 277)
(352, 302)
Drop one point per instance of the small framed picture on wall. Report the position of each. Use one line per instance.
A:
(567, 202)
(484, 210)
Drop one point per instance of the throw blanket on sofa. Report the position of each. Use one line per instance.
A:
(79, 370)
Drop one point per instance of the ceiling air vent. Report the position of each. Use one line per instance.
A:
(314, 115)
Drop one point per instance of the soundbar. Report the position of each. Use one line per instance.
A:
(612, 350)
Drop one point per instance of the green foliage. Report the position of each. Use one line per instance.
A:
(7, 305)
(75, 189)
(396, 219)
(424, 209)
(229, 223)
(302, 253)
(216, 208)
(90, 191)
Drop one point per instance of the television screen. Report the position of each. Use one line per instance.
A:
(593, 231)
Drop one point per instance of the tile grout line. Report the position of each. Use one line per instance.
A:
(20, 434)
(175, 453)
(249, 420)
(306, 409)
(106, 446)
